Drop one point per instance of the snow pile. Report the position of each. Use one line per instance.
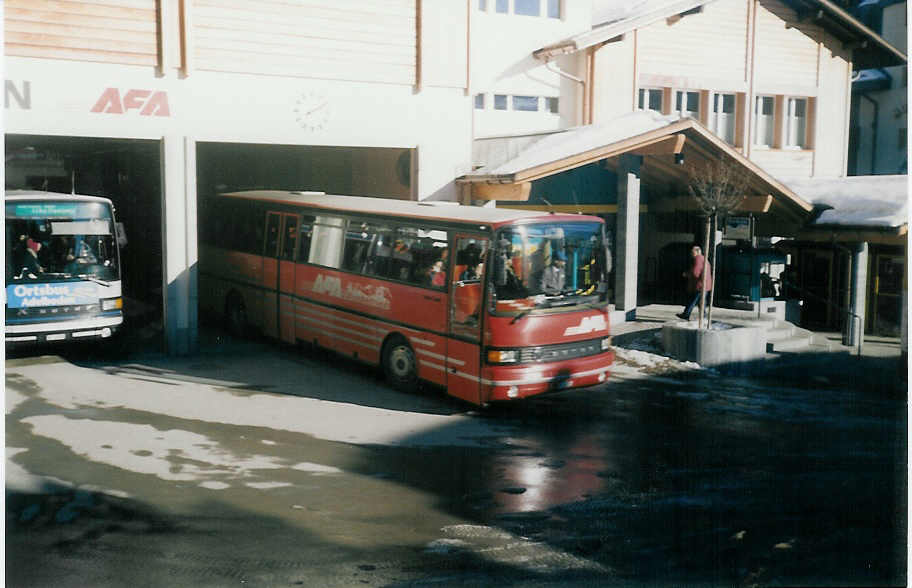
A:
(644, 355)
(857, 201)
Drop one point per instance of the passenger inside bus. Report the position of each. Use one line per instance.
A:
(29, 264)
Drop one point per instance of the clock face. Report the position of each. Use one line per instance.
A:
(312, 110)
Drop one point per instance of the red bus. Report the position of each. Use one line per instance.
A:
(492, 304)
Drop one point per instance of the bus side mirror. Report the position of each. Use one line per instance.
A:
(121, 234)
(500, 271)
(608, 265)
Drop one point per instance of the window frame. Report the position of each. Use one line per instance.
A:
(643, 95)
(538, 5)
(518, 98)
(755, 125)
(682, 94)
(789, 119)
(713, 115)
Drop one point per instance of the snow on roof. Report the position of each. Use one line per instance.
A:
(557, 146)
(611, 18)
(611, 11)
(857, 201)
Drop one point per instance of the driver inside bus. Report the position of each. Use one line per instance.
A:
(552, 281)
(29, 264)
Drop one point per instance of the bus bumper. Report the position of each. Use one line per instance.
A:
(100, 327)
(513, 382)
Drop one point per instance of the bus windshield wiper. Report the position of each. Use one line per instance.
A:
(94, 279)
(521, 315)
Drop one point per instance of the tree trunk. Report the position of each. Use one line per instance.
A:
(712, 293)
(703, 285)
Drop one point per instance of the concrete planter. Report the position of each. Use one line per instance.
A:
(717, 347)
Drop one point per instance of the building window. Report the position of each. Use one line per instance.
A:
(500, 101)
(687, 103)
(527, 7)
(483, 5)
(502, 6)
(479, 101)
(722, 118)
(796, 122)
(552, 105)
(554, 9)
(525, 103)
(650, 99)
(764, 120)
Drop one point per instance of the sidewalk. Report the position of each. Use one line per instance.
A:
(639, 352)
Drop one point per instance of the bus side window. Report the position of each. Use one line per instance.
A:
(328, 239)
(379, 257)
(290, 237)
(357, 240)
(272, 234)
(305, 234)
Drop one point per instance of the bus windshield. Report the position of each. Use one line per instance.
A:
(553, 265)
(60, 241)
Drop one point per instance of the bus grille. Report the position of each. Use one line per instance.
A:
(51, 312)
(548, 353)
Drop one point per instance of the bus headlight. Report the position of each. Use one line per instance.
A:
(112, 304)
(503, 355)
(606, 343)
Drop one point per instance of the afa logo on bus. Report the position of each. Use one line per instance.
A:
(376, 296)
(588, 324)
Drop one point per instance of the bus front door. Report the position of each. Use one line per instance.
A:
(466, 312)
(286, 278)
(270, 281)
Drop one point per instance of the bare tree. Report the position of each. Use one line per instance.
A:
(719, 188)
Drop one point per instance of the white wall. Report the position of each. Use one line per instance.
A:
(210, 106)
(501, 49)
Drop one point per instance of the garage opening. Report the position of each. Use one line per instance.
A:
(354, 171)
(128, 172)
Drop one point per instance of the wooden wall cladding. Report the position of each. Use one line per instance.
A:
(108, 31)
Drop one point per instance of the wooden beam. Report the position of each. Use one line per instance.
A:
(515, 192)
(572, 208)
(756, 204)
(669, 145)
(759, 204)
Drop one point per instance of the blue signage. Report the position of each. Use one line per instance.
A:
(57, 210)
(51, 294)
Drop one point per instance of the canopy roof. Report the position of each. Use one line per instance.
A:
(618, 17)
(672, 148)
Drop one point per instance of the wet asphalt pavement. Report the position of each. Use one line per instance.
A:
(254, 465)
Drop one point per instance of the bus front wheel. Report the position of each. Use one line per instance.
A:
(236, 316)
(400, 365)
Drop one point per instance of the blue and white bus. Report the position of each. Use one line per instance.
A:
(62, 268)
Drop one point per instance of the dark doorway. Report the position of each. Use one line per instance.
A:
(128, 172)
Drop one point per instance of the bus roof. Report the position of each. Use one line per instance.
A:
(41, 195)
(436, 211)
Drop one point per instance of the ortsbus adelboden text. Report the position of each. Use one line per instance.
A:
(493, 304)
(62, 268)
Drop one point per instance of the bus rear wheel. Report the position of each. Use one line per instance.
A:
(400, 365)
(236, 316)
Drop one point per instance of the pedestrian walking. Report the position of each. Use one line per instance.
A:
(700, 272)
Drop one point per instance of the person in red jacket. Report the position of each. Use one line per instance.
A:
(700, 271)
